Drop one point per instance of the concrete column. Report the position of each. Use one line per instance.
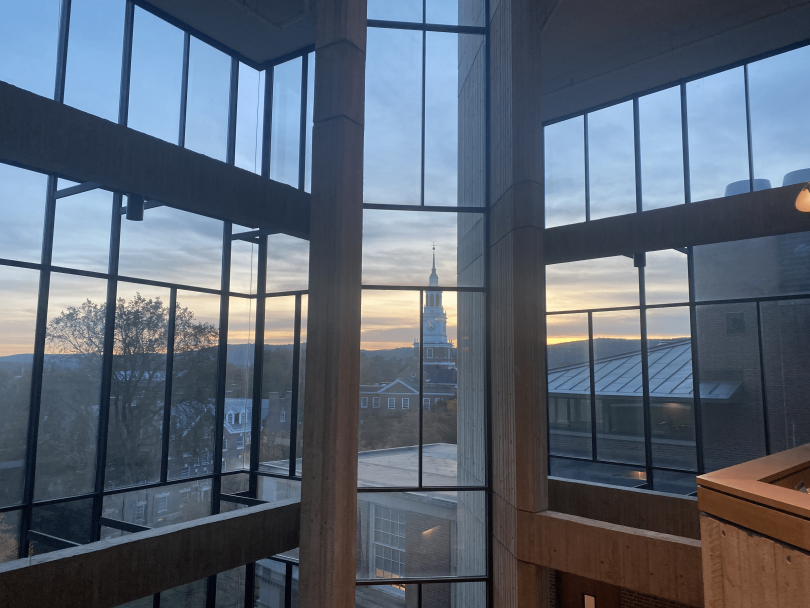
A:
(517, 284)
(329, 487)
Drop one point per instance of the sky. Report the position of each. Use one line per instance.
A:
(171, 245)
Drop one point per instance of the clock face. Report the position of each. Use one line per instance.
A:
(431, 326)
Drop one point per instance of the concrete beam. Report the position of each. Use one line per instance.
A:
(733, 218)
(112, 572)
(42, 135)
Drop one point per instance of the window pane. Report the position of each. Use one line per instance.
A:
(9, 535)
(159, 507)
(601, 283)
(309, 120)
(18, 306)
(96, 39)
(730, 384)
(785, 339)
(405, 10)
(244, 263)
(661, 149)
(780, 124)
(29, 32)
(612, 161)
(674, 483)
(287, 263)
(190, 595)
(599, 472)
(249, 119)
(70, 521)
(174, 246)
(569, 385)
(718, 140)
(666, 277)
(415, 534)
(393, 157)
(231, 588)
(565, 172)
(449, 12)
(440, 595)
(390, 326)
(209, 82)
(302, 375)
(669, 354)
(619, 392)
(239, 381)
(286, 135)
(156, 80)
(81, 237)
(138, 386)
(194, 384)
(472, 128)
(68, 420)
(441, 119)
(398, 248)
(22, 205)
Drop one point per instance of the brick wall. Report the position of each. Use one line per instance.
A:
(627, 598)
(634, 599)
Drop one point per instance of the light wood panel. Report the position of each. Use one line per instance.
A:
(648, 562)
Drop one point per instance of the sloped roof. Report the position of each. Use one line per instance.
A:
(245, 407)
(620, 375)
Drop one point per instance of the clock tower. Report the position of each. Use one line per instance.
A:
(437, 348)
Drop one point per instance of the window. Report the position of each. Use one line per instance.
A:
(197, 461)
(426, 403)
(429, 354)
(375, 402)
(364, 402)
(437, 400)
(240, 442)
(225, 443)
(185, 471)
(163, 502)
(392, 403)
(223, 465)
(184, 495)
(140, 513)
(283, 416)
(389, 543)
(230, 418)
(406, 403)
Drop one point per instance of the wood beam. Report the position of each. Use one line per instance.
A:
(734, 218)
(42, 135)
(329, 480)
(112, 572)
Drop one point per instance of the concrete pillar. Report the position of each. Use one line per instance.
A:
(517, 287)
(329, 485)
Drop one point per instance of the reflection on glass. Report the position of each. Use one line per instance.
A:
(302, 375)
(405, 10)
(157, 71)
(388, 357)
(471, 153)
(209, 81)
(565, 172)
(599, 472)
(286, 134)
(440, 595)
(93, 76)
(71, 521)
(9, 536)
(441, 119)
(309, 121)
(672, 421)
(569, 385)
(231, 588)
(395, 530)
(661, 149)
(449, 12)
(287, 263)
(718, 140)
(249, 119)
(138, 385)
(393, 143)
(600, 283)
(271, 583)
(785, 336)
(239, 382)
(612, 161)
(81, 237)
(675, 483)
(160, 507)
(68, 420)
(244, 263)
(730, 384)
(22, 205)
(666, 277)
(196, 338)
(17, 322)
(618, 383)
(190, 595)
(780, 125)
(272, 489)
(29, 32)
(172, 245)
(398, 247)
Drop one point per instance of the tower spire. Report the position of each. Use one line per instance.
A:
(434, 256)
(434, 278)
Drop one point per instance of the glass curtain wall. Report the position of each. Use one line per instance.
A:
(672, 363)
(152, 371)
(422, 474)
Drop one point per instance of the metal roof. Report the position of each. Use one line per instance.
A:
(620, 375)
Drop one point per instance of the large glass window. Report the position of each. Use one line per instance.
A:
(29, 32)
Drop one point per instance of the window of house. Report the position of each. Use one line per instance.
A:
(223, 465)
(225, 443)
(230, 418)
(406, 403)
(185, 471)
(197, 461)
(240, 442)
(184, 495)
(140, 513)
(163, 502)
(426, 403)
(283, 416)
(239, 418)
(438, 399)
(429, 354)
(388, 559)
(363, 401)
(392, 403)
(375, 402)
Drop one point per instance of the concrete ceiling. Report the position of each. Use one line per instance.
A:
(259, 30)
